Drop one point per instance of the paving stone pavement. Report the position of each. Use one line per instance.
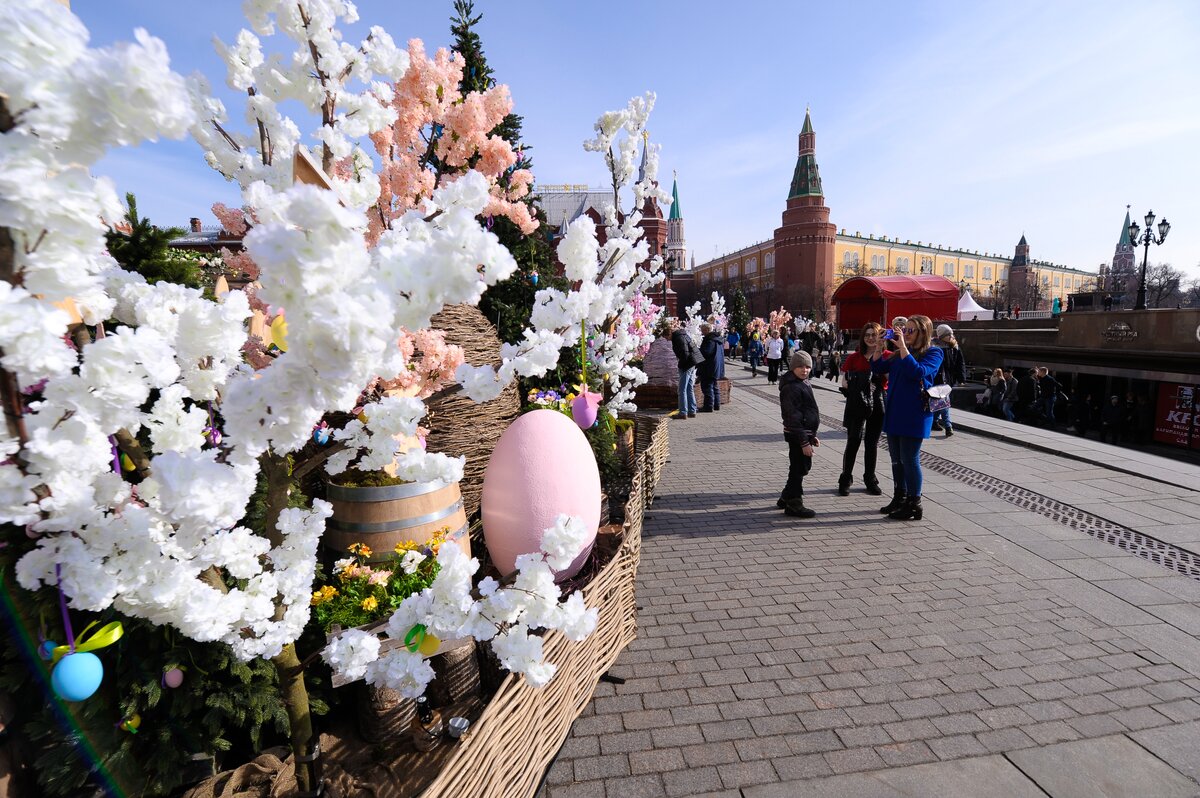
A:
(853, 655)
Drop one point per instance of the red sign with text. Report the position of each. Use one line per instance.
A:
(1175, 419)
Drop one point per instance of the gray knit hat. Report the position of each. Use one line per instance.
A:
(800, 359)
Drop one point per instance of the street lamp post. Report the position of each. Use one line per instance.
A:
(668, 270)
(1164, 227)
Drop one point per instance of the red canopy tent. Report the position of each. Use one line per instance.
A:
(863, 299)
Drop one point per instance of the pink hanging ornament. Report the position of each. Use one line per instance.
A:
(586, 407)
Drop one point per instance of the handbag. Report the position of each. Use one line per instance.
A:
(937, 397)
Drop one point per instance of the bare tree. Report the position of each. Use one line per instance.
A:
(1163, 285)
(1191, 293)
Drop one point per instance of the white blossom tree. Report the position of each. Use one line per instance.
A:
(167, 365)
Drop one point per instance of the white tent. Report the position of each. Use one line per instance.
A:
(969, 309)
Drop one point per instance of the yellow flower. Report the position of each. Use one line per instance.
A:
(407, 545)
(369, 603)
(361, 549)
(326, 593)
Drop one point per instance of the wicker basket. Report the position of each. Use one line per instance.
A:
(523, 727)
(383, 714)
(457, 675)
(459, 427)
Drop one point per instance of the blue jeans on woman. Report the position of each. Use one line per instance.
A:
(906, 463)
(943, 417)
(687, 391)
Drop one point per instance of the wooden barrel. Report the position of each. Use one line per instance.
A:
(383, 516)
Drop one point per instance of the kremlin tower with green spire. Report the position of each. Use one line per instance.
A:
(676, 242)
(804, 242)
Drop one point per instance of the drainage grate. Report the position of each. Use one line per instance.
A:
(1145, 546)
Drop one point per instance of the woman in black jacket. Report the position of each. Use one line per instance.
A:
(863, 418)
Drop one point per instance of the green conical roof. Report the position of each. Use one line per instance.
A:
(806, 180)
(675, 213)
(1125, 242)
(807, 123)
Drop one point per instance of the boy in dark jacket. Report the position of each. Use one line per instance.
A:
(801, 417)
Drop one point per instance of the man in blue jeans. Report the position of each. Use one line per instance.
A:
(688, 356)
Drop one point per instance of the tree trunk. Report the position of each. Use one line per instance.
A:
(287, 663)
(295, 698)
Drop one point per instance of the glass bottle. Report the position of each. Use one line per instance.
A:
(426, 726)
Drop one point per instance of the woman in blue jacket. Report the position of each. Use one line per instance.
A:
(906, 420)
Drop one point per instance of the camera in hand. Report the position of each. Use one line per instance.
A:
(889, 335)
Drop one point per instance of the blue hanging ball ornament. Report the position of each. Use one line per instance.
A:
(321, 435)
(77, 676)
(46, 649)
(533, 277)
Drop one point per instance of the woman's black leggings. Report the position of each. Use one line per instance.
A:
(864, 430)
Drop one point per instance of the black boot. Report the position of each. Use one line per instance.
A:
(872, 485)
(844, 484)
(895, 504)
(781, 503)
(795, 507)
(910, 510)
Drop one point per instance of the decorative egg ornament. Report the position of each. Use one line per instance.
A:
(131, 724)
(542, 466)
(46, 649)
(172, 678)
(77, 676)
(585, 408)
(279, 333)
(533, 278)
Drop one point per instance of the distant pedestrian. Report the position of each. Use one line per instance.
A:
(688, 356)
(1010, 396)
(1048, 391)
(953, 372)
(1027, 394)
(731, 344)
(907, 419)
(801, 418)
(755, 352)
(835, 365)
(712, 346)
(1111, 418)
(1017, 312)
(1081, 413)
(863, 416)
(775, 346)
(999, 389)
(1108, 301)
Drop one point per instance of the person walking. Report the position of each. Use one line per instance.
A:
(801, 417)
(688, 356)
(712, 369)
(1048, 391)
(863, 417)
(835, 365)
(1010, 396)
(999, 389)
(731, 344)
(953, 372)
(907, 419)
(755, 352)
(1111, 418)
(774, 356)
(1017, 312)
(1027, 395)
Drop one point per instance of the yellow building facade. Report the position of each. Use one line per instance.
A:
(985, 274)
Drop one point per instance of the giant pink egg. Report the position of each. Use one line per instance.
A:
(542, 466)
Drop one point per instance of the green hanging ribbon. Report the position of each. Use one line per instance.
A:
(583, 348)
(414, 638)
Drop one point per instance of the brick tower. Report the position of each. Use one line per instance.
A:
(1022, 280)
(1124, 263)
(676, 241)
(655, 231)
(804, 242)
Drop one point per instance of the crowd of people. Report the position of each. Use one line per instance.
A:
(1034, 396)
(896, 381)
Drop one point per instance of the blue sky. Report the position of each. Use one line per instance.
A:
(963, 124)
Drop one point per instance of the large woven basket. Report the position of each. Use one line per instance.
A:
(459, 427)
